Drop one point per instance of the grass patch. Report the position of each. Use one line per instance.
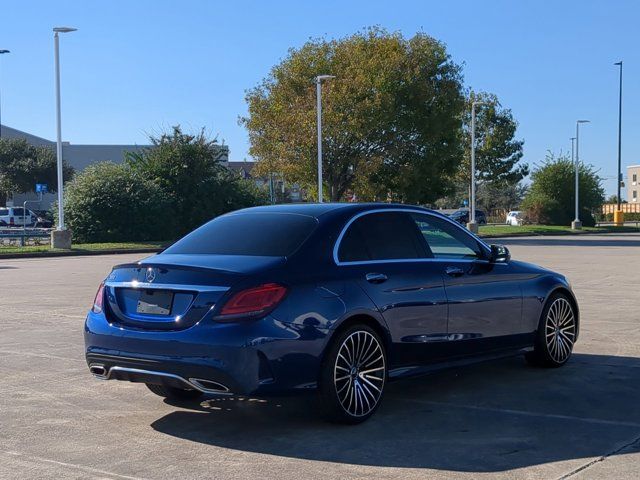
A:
(508, 230)
(82, 247)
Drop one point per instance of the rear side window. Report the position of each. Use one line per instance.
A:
(381, 236)
(255, 234)
(4, 212)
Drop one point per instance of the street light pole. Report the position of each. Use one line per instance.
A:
(319, 80)
(60, 238)
(56, 42)
(3, 51)
(618, 216)
(577, 224)
(472, 225)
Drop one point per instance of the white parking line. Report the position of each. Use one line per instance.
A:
(83, 468)
(598, 421)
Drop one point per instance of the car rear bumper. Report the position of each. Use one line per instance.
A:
(263, 357)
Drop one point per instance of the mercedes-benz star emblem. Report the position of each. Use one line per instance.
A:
(151, 274)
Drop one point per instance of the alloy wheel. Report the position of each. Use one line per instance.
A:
(560, 330)
(359, 373)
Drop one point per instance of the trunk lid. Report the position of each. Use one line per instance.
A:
(173, 292)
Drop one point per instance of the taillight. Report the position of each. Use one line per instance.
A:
(98, 302)
(11, 221)
(253, 302)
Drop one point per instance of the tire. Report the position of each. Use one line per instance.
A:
(556, 333)
(353, 376)
(173, 393)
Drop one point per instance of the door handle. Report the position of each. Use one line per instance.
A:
(454, 271)
(375, 277)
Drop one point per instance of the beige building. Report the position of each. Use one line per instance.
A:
(633, 185)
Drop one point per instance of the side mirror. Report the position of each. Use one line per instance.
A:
(499, 254)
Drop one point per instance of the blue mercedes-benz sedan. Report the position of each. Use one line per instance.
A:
(331, 298)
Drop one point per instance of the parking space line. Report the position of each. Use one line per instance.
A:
(526, 413)
(73, 466)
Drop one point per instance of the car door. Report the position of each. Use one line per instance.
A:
(484, 299)
(384, 253)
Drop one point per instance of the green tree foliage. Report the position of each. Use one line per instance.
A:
(498, 153)
(23, 165)
(157, 194)
(108, 203)
(197, 185)
(500, 195)
(551, 197)
(391, 117)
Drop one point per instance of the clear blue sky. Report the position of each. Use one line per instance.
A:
(136, 67)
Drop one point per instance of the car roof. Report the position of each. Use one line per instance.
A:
(318, 209)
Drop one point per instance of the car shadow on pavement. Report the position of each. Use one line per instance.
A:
(486, 418)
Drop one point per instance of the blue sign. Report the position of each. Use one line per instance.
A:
(465, 203)
(42, 188)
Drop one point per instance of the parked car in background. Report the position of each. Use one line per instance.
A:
(45, 218)
(336, 298)
(514, 218)
(462, 216)
(17, 217)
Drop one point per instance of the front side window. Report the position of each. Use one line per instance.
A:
(381, 236)
(446, 240)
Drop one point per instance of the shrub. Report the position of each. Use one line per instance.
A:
(628, 217)
(189, 169)
(551, 197)
(108, 202)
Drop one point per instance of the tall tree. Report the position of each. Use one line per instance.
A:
(23, 165)
(391, 117)
(498, 152)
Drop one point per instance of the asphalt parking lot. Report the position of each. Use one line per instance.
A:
(495, 420)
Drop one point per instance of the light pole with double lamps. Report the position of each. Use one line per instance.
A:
(577, 224)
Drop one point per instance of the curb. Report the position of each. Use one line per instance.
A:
(78, 253)
(552, 234)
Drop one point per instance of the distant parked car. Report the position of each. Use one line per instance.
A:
(16, 217)
(514, 218)
(45, 218)
(462, 216)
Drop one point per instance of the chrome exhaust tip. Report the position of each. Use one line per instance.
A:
(209, 386)
(98, 371)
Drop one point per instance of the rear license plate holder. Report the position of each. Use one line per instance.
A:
(153, 302)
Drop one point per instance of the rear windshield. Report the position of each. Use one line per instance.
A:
(259, 234)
